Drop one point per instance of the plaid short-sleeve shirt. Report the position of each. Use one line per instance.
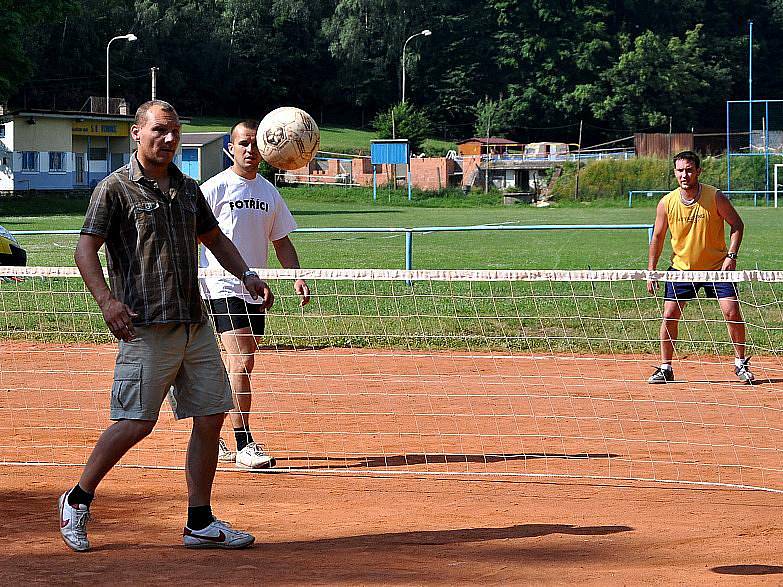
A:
(151, 241)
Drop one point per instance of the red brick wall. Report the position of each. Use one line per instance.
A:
(431, 173)
(427, 173)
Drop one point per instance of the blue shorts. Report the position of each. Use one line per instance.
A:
(683, 291)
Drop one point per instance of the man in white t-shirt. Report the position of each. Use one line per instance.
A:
(251, 213)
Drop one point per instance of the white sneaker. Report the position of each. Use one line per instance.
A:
(217, 535)
(73, 524)
(254, 457)
(744, 373)
(225, 454)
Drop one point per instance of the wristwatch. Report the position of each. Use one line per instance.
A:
(731, 255)
(248, 273)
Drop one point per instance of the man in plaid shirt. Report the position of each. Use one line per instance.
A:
(151, 218)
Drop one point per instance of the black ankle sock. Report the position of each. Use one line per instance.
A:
(79, 496)
(243, 437)
(199, 517)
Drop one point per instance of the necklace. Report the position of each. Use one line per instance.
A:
(691, 201)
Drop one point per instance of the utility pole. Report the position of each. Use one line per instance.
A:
(578, 161)
(154, 74)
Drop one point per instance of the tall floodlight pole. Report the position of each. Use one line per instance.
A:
(750, 84)
(128, 37)
(425, 33)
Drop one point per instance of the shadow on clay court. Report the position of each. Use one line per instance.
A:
(462, 535)
(733, 382)
(432, 459)
(294, 348)
(419, 537)
(748, 570)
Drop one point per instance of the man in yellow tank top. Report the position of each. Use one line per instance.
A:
(694, 213)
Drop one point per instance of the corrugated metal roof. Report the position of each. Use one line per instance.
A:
(191, 139)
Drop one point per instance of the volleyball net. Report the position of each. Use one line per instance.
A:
(468, 373)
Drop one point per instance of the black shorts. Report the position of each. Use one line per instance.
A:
(234, 313)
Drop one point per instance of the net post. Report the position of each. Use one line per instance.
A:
(409, 253)
(630, 198)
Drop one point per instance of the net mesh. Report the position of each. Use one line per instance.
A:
(491, 373)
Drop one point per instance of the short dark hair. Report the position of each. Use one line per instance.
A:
(248, 124)
(141, 112)
(687, 156)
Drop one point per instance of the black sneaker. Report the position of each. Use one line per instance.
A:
(743, 372)
(661, 376)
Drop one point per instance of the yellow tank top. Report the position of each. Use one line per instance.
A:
(698, 234)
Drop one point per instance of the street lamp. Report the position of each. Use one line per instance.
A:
(425, 33)
(128, 37)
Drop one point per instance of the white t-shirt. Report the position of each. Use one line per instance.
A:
(251, 213)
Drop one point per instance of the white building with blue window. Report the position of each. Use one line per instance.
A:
(203, 154)
(51, 150)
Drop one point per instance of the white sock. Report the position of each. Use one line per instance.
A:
(739, 362)
(666, 366)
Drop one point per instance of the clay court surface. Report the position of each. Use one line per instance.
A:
(405, 468)
(355, 530)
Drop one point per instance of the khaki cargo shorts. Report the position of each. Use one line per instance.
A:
(185, 356)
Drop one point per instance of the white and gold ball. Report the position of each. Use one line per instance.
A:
(288, 138)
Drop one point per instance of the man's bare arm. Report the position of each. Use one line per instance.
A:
(116, 314)
(286, 254)
(727, 211)
(656, 243)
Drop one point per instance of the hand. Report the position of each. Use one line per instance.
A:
(729, 264)
(257, 288)
(118, 318)
(652, 285)
(300, 287)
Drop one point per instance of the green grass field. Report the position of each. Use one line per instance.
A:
(597, 249)
(562, 317)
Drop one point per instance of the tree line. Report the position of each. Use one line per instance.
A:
(527, 69)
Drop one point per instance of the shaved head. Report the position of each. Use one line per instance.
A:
(248, 124)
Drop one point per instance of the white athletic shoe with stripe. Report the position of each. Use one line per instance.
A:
(73, 524)
(743, 371)
(253, 456)
(217, 535)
